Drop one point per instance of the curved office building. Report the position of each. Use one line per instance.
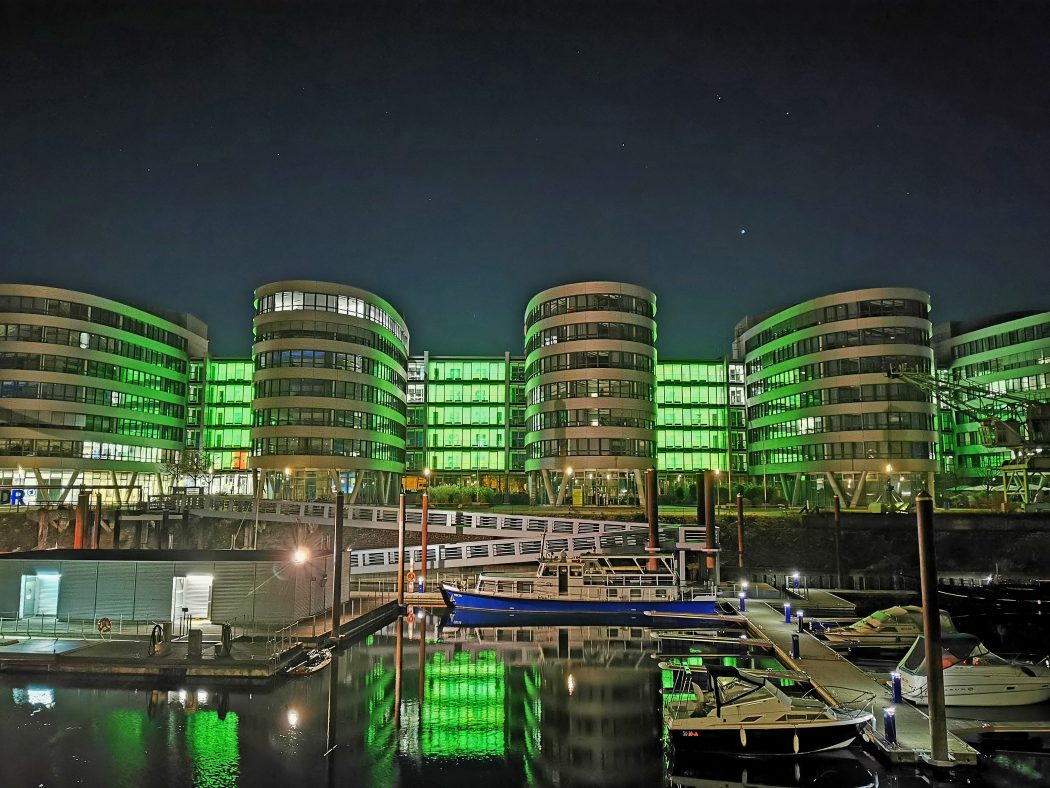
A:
(328, 410)
(92, 394)
(823, 416)
(1006, 354)
(590, 371)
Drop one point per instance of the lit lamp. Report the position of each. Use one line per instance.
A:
(426, 477)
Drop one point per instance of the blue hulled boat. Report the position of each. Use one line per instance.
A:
(585, 584)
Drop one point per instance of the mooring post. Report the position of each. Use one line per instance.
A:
(709, 525)
(837, 507)
(81, 520)
(96, 528)
(423, 541)
(401, 549)
(652, 511)
(337, 569)
(740, 530)
(931, 621)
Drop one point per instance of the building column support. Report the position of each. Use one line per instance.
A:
(546, 475)
(836, 488)
(858, 492)
(641, 487)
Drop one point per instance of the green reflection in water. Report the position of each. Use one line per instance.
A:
(464, 714)
(212, 745)
(124, 735)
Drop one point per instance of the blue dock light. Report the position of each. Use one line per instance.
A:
(787, 612)
(795, 649)
(895, 685)
(743, 602)
(889, 725)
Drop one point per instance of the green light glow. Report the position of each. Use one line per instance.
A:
(212, 745)
(124, 734)
(464, 714)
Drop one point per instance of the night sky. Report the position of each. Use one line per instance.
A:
(457, 158)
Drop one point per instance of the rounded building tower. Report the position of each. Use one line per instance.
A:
(93, 394)
(328, 411)
(590, 371)
(824, 418)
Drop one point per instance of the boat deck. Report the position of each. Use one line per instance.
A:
(843, 683)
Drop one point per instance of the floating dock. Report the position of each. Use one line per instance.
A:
(842, 683)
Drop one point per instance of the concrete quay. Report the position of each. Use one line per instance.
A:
(842, 683)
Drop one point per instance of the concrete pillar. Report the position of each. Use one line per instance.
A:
(641, 487)
(547, 486)
(858, 493)
(337, 569)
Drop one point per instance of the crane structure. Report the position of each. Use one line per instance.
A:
(1010, 421)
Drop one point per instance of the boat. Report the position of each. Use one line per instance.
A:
(746, 714)
(894, 627)
(973, 675)
(313, 661)
(828, 770)
(593, 583)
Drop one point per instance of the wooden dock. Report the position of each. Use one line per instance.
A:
(842, 683)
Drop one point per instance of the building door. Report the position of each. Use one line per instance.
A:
(39, 595)
(191, 595)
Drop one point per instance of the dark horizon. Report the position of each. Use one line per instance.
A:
(456, 159)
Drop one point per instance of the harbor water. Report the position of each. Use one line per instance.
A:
(517, 705)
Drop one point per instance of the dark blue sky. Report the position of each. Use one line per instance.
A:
(456, 158)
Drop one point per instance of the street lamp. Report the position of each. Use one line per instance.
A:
(718, 488)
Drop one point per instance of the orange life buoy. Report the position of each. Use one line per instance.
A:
(411, 577)
(104, 625)
(410, 618)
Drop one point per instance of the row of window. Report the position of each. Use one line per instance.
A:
(692, 417)
(85, 340)
(465, 460)
(897, 420)
(858, 450)
(336, 332)
(323, 302)
(1027, 358)
(569, 389)
(327, 447)
(326, 359)
(625, 332)
(882, 307)
(695, 395)
(1004, 339)
(590, 302)
(56, 419)
(591, 359)
(591, 447)
(592, 417)
(884, 335)
(685, 372)
(333, 389)
(85, 450)
(476, 439)
(327, 417)
(473, 370)
(869, 392)
(92, 314)
(469, 392)
(700, 461)
(63, 392)
(691, 439)
(91, 369)
(451, 414)
(840, 366)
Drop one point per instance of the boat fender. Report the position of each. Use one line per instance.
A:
(794, 742)
(743, 737)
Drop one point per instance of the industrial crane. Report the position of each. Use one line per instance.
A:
(1018, 423)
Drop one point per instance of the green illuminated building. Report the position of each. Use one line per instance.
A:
(1007, 354)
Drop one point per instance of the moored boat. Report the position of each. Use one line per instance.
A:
(313, 661)
(586, 584)
(973, 675)
(894, 627)
(750, 715)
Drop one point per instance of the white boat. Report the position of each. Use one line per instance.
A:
(599, 583)
(894, 627)
(313, 661)
(745, 714)
(974, 676)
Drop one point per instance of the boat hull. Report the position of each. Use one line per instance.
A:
(471, 600)
(981, 690)
(766, 741)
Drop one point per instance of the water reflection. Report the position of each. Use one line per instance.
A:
(416, 704)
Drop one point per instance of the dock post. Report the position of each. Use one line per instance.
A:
(838, 555)
(709, 524)
(796, 649)
(337, 570)
(931, 620)
(652, 512)
(81, 520)
(401, 549)
(740, 531)
(423, 540)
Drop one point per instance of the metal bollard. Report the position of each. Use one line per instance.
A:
(889, 725)
(801, 619)
(895, 685)
(743, 602)
(787, 612)
(795, 649)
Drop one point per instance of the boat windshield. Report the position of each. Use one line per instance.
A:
(956, 649)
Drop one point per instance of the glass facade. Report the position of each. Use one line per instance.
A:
(94, 392)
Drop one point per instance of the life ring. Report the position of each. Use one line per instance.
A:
(410, 618)
(104, 625)
(411, 577)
